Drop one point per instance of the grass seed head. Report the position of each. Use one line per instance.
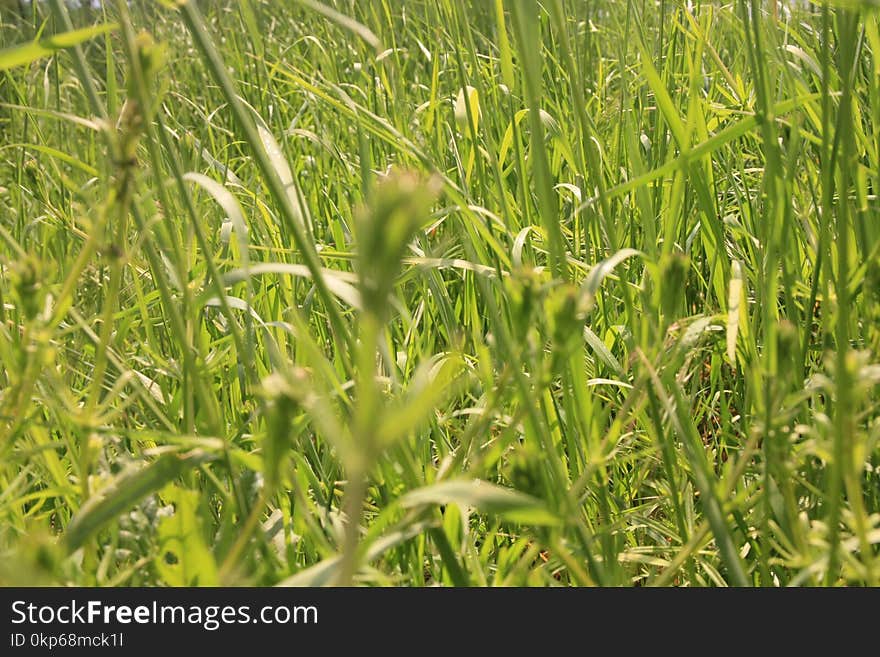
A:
(399, 206)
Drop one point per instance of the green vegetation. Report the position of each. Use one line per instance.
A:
(440, 292)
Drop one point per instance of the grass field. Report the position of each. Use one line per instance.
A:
(440, 292)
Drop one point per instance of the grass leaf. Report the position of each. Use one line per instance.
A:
(26, 53)
(484, 497)
(126, 490)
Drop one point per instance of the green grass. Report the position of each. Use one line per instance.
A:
(446, 292)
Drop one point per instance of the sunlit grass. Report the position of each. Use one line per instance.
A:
(440, 292)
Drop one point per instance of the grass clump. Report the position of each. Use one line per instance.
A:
(460, 293)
